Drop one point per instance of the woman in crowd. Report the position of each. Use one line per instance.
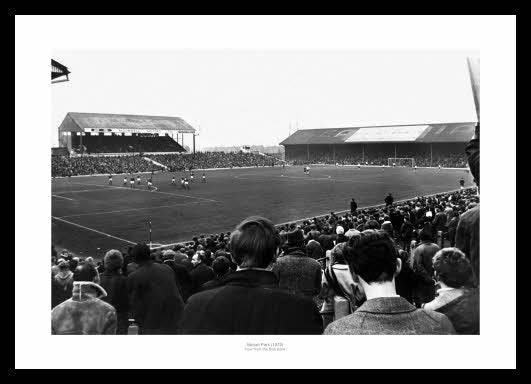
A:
(338, 285)
(456, 299)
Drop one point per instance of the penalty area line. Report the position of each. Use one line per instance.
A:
(93, 230)
(62, 197)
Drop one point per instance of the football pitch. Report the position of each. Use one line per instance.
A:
(90, 217)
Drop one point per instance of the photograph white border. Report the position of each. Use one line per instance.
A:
(37, 37)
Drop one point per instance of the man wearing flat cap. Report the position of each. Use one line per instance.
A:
(295, 271)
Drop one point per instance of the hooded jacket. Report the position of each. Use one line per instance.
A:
(84, 313)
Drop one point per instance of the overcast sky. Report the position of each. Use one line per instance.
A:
(252, 97)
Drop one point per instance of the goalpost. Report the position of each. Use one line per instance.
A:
(401, 161)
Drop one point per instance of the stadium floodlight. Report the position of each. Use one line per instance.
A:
(401, 161)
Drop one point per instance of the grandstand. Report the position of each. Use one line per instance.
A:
(97, 133)
(427, 145)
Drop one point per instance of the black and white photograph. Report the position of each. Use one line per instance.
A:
(263, 191)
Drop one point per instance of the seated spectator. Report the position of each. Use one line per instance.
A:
(456, 299)
(250, 301)
(84, 313)
(154, 298)
(374, 260)
(296, 272)
(422, 266)
(115, 284)
(221, 267)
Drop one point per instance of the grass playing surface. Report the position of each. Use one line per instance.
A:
(90, 217)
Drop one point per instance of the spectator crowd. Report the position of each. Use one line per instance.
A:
(408, 267)
(319, 275)
(89, 165)
(448, 160)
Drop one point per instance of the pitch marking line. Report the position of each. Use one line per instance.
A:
(128, 210)
(80, 191)
(62, 197)
(146, 190)
(93, 230)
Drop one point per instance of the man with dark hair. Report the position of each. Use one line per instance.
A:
(296, 272)
(221, 267)
(375, 263)
(250, 301)
(389, 199)
(353, 206)
(154, 298)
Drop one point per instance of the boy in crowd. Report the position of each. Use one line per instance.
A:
(374, 263)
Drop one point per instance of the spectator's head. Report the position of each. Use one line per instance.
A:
(425, 235)
(254, 243)
(113, 260)
(168, 255)
(373, 257)
(198, 258)
(141, 253)
(63, 264)
(89, 260)
(337, 254)
(371, 224)
(295, 238)
(452, 268)
(340, 230)
(221, 265)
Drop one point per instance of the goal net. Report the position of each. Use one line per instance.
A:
(401, 162)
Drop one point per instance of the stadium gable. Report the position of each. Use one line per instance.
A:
(79, 122)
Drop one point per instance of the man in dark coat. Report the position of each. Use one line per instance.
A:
(296, 272)
(154, 297)
(439, 221)
(250, 301)
(115, 284)
(353, 206)
(389, 199)
(452, 228)
(221, 267)
(406, 234)
(201, 273)
(326, 239)
(182, 277)
(422, 265)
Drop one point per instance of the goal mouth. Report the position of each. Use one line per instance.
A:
(401, 162)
